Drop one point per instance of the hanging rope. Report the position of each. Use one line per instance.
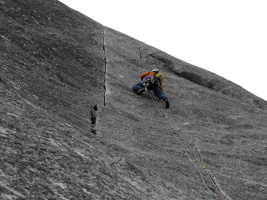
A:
(182, 142)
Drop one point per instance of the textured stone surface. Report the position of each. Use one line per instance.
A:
(71, 127)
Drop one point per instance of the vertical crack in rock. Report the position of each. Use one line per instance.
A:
(105, 60)
(140, 55)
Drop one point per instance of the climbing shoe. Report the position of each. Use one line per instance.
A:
(167, 104)
(140, 91)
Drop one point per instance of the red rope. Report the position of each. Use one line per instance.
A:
(197, 158)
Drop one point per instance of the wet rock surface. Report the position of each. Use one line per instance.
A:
(71, 127)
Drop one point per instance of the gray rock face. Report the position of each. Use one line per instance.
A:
(71, 127)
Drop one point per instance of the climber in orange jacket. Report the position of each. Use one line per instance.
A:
(152, 80)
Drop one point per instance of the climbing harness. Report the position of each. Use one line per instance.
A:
(185, 145)
(148, 80)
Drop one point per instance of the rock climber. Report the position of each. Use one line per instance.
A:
(152, 80)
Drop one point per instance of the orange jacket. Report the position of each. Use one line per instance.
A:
(149, 73)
